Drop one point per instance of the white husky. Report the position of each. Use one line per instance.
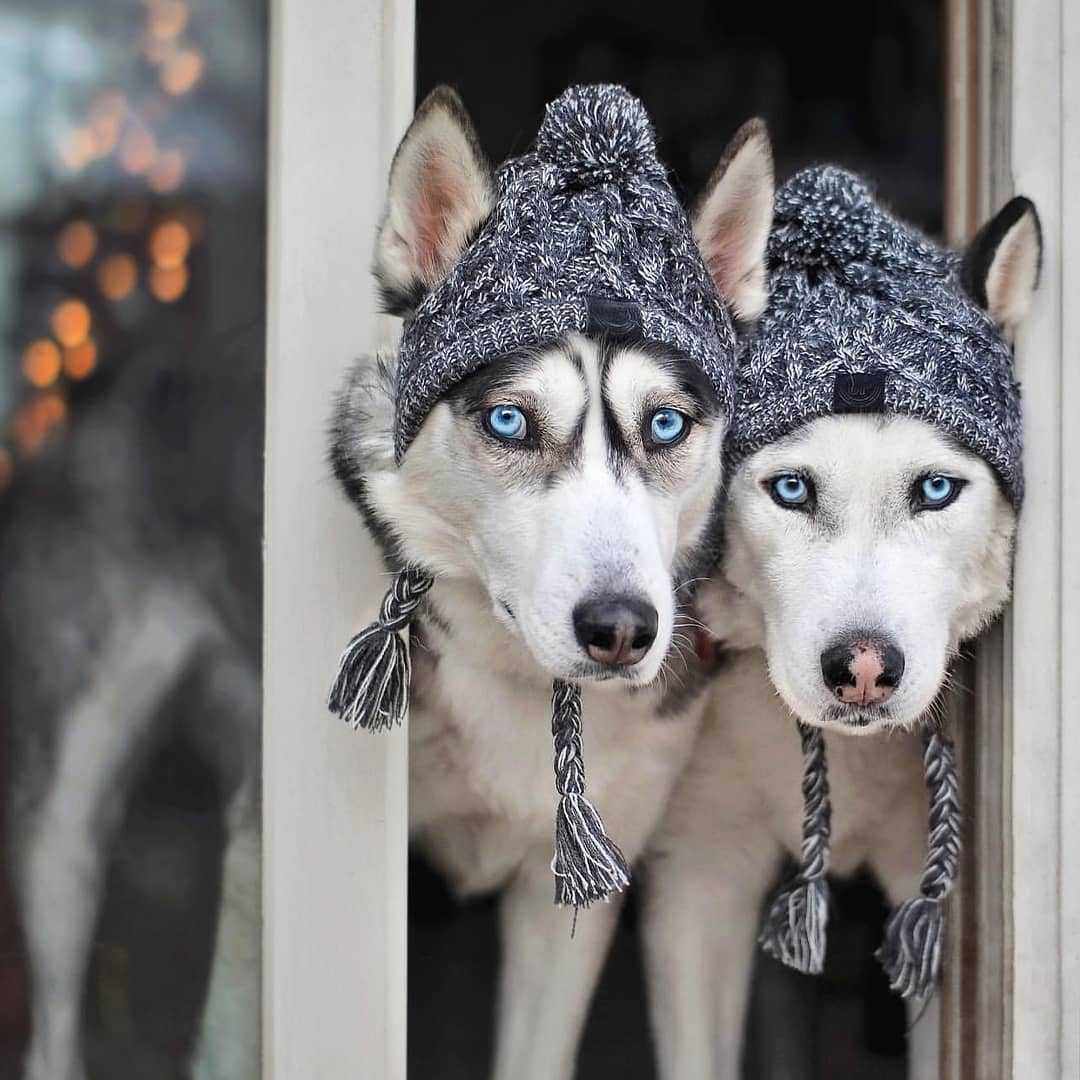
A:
(792, 583)
(568, 561)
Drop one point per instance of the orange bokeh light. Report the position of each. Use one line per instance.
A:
(170, 243)
(76, 244)
(168, 283)
(79, 363)
(36, 419)
(167, 19)
(181, 72)
(138, 152)
(7, 467)
(71, 322)
(79, 148)
(41, 363)
(116, 277)
(168, 172)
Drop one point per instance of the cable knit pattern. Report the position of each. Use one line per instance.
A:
(855, 290)
(589, 211)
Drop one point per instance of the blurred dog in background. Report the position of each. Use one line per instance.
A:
(131, 582)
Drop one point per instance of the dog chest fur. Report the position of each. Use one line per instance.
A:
(481, 780)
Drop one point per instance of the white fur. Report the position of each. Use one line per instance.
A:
(439, 191)
(863, 559)
(482, 794)
(1014, 273)
(791, 582)
(732, 222)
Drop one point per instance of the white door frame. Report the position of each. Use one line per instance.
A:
(335, 802)
(1013, 996)
(1042, 160)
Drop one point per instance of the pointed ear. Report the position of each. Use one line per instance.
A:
(733, 218)
(440, 192)
(1001, 265)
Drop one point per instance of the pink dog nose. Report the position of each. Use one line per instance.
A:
(865, 671)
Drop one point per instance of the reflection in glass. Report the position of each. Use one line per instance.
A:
(131, 318)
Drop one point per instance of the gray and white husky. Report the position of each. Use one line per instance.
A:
(790, 586)
(130, 603)
(569, 559)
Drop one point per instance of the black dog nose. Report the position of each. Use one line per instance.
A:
(862, 670)
(615, 630)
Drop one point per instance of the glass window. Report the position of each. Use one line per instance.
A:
(132, 217)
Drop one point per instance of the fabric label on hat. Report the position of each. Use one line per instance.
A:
(859, 392)
(614, 318)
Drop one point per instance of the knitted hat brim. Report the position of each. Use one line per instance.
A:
(781, 413)
(534, 326)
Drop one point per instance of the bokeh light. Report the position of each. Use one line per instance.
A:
(41, 363)
(167, 173)
(138, 152)
(181, 72)
(36, 418)
(168, 19)
(80, 362)
(79, 149)
(117, 276)
(168, 284)
(76, 244)
(170, 243)
(71, 322)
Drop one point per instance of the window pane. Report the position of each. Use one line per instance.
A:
(132, 212)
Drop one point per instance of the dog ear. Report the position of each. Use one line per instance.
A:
(1001, 265)
(733, 218)
(440, 192)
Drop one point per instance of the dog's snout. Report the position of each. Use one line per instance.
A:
(615, 630)
(862, 671)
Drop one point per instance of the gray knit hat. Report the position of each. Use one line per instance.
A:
(868, 315)
(587, 234)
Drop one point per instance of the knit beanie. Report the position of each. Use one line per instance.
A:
(866, 315)
(587, 235)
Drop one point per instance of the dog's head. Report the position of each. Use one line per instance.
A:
(872, 545)
(568, 488)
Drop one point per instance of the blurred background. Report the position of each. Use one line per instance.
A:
(858, 82)
(132, 222)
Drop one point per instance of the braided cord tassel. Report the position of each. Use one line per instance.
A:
(911, 950)
(588, 865)
(794, 930)
(371, 690)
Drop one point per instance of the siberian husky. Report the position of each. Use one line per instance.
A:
(789, 586)
(520, 542)
(121, 596)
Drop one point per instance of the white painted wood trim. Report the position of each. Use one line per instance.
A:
(335, 801)
(1043, 749)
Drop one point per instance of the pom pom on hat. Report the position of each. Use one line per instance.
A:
(598, 134)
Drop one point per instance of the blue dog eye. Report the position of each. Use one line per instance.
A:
(507, 421)
(937, 490)
(791, 489)
(666, 426)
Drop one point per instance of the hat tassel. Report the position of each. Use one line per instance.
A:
(371, 690)
(794, 930)
(588, 865)
(911, 950)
